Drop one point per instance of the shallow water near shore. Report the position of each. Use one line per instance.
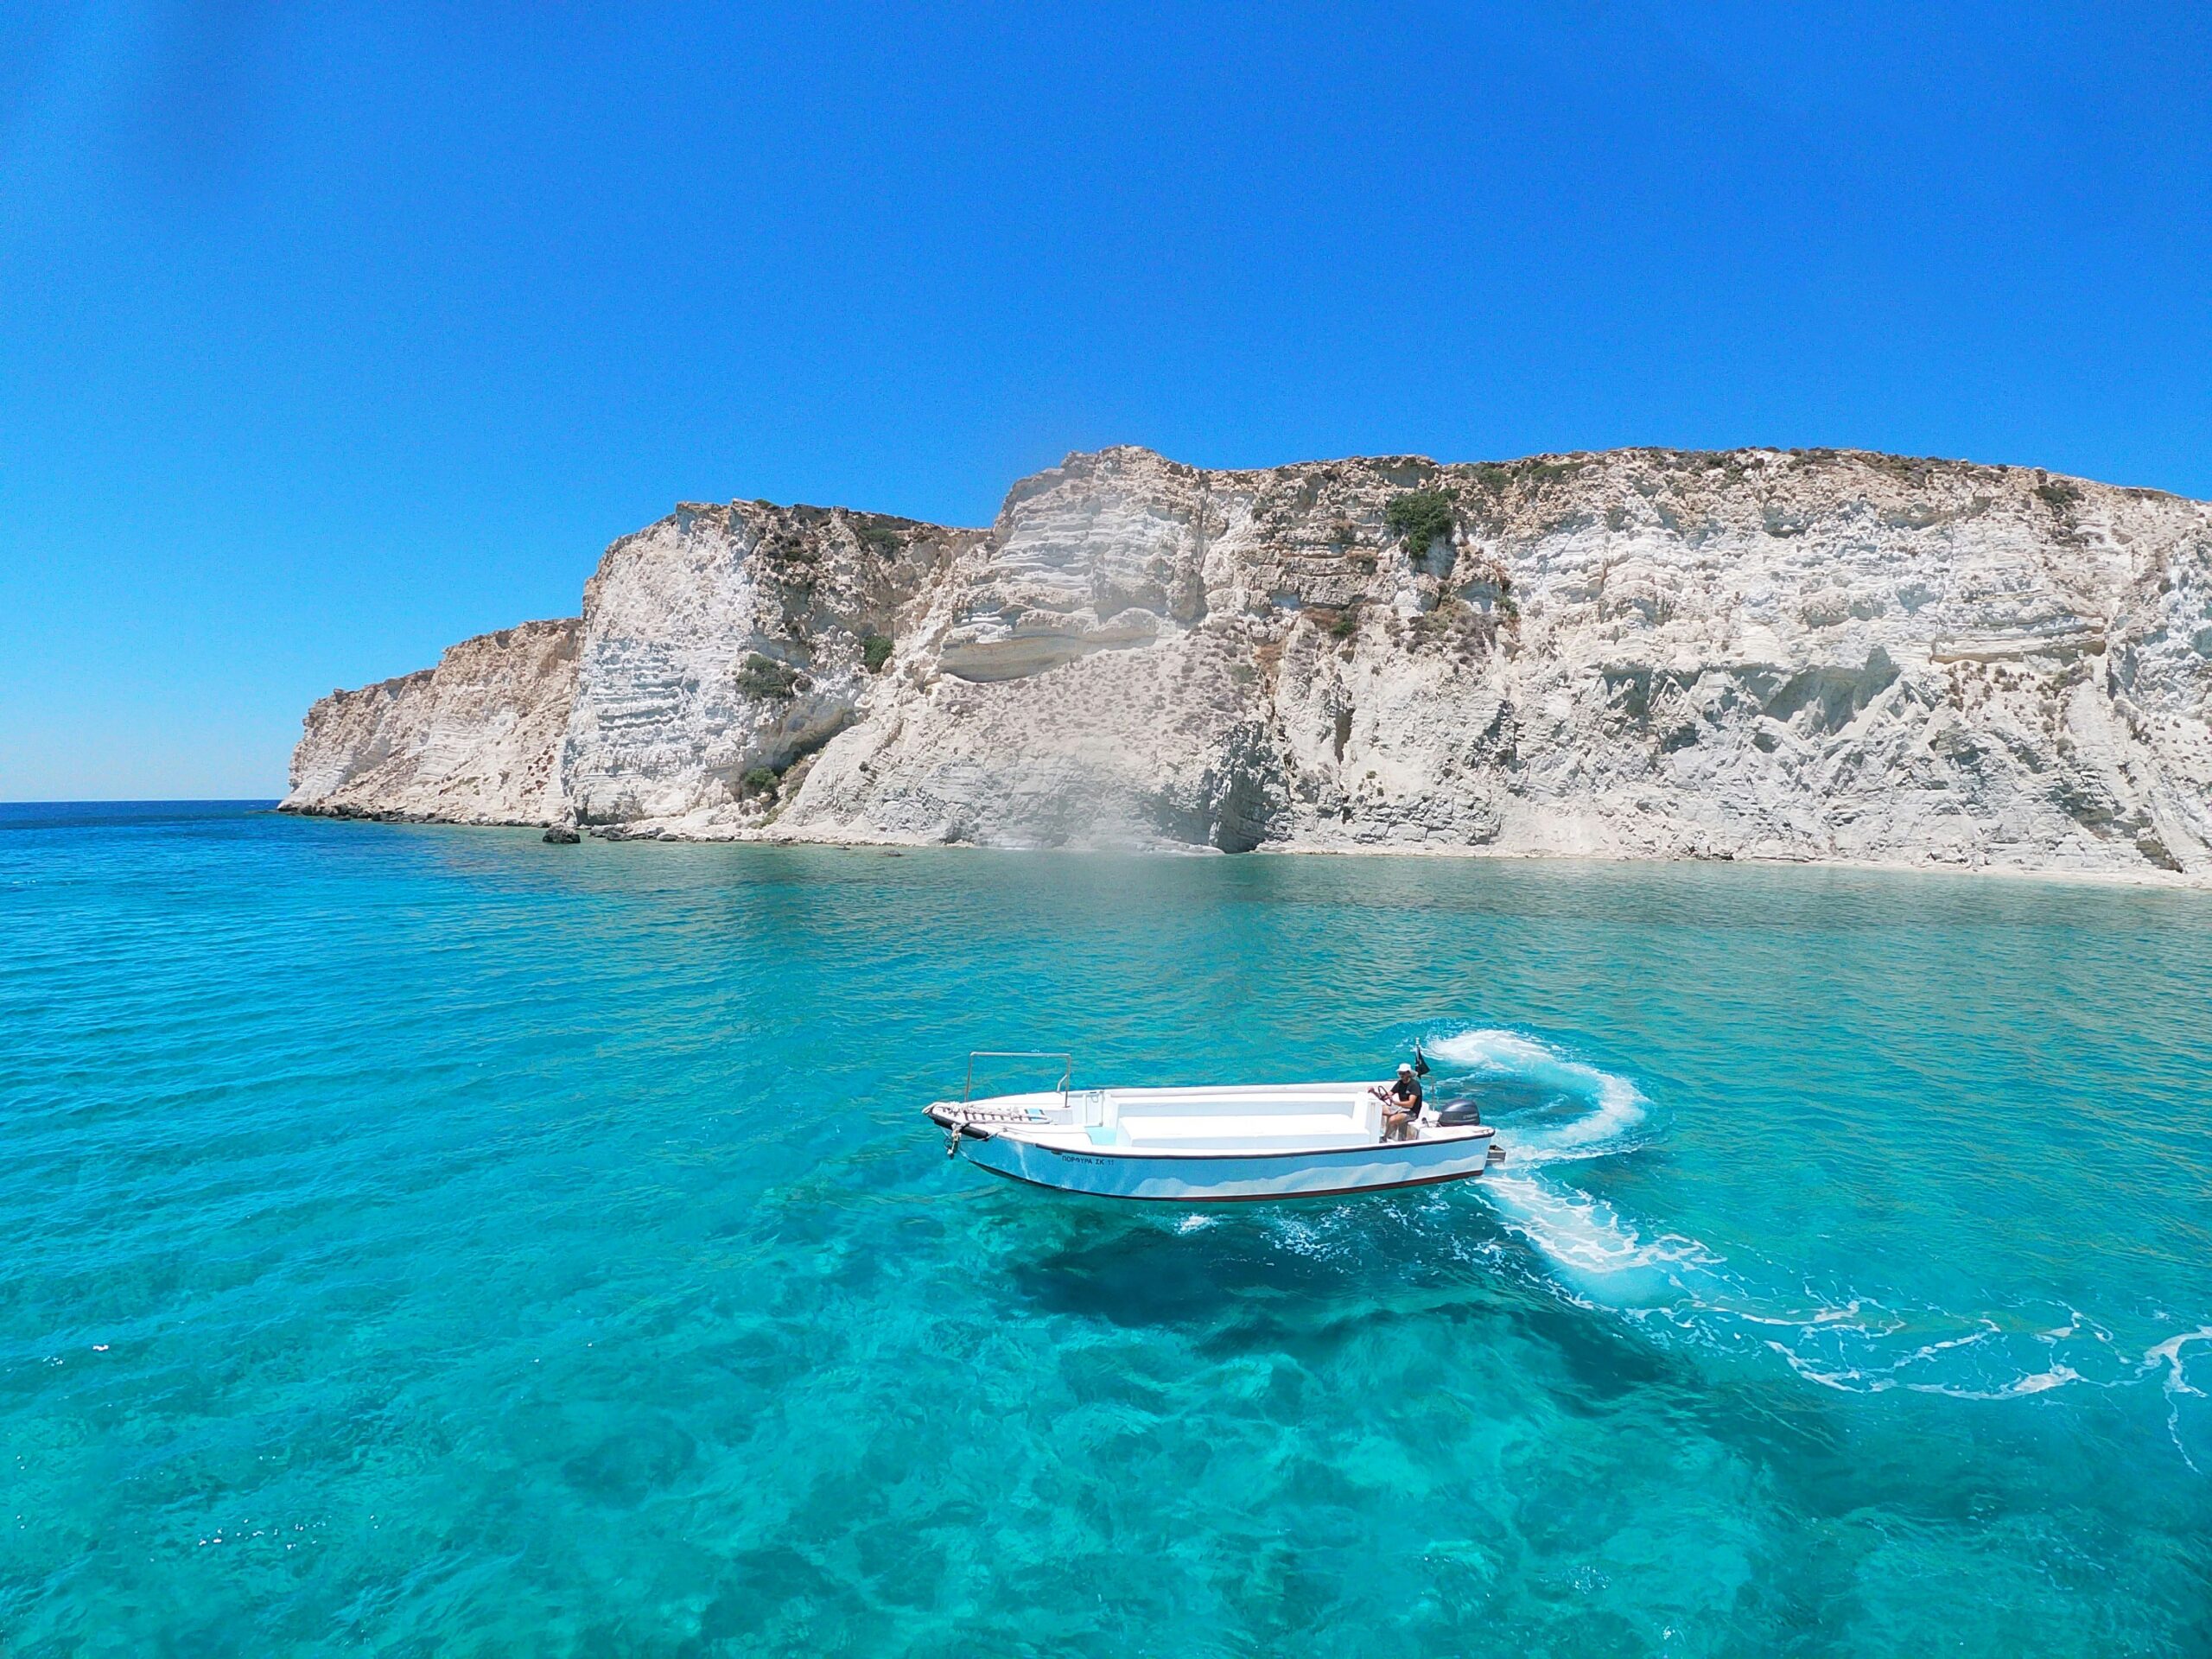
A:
(426, 1240)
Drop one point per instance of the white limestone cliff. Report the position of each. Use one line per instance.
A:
(1799, 655)
(472, 740)
(726, 643)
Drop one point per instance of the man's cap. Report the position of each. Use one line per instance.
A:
(1402, 1066)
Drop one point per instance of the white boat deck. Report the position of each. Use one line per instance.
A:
(1197, 1146)
(1318, 1117)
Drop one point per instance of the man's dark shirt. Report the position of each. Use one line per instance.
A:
(1407, 1090)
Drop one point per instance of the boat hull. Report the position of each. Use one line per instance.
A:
(1231, 1177)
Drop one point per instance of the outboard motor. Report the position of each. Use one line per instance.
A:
(1458, 1112)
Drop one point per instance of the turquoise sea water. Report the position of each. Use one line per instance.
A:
(425, 1241)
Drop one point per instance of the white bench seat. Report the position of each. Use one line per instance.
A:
(1239, 1129)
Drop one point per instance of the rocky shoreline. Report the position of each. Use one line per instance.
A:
(1807, 656)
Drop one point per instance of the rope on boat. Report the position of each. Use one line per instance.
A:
(962, 1127)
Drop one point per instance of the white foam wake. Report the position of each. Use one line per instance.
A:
(1591, 1244)
(1610, 1106)
(1571, 1109)
(2170, 1358)
(1675, 1286)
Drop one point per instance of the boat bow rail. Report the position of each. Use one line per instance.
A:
(1066, 1060)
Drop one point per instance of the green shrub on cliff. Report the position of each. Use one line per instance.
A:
(875, 652)
(1420, 515)
(764, 676)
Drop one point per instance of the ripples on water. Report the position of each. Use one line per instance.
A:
(428, 1241)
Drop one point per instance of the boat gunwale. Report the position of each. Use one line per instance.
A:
(1460, 1132)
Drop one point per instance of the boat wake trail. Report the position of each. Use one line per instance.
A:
(1589, 1113)
(1554, 1111)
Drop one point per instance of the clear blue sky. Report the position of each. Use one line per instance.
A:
(331, 334)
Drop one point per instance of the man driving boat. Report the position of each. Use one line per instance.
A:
(1401, 1104)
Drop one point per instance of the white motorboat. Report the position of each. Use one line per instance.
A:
(1207, 1145)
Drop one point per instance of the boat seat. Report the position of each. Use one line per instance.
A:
(1299, 1129)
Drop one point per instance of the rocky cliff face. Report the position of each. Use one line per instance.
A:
(1646, 653)
(724, 644)
(472, 740)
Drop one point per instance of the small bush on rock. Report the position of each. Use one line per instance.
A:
(1420, 515)
(764, 676)
(875, 652)
(761, 780)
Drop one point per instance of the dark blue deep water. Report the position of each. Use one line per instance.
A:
(425, 1241)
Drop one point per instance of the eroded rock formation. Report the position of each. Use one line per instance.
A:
(1803, 655)
(476, 740)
